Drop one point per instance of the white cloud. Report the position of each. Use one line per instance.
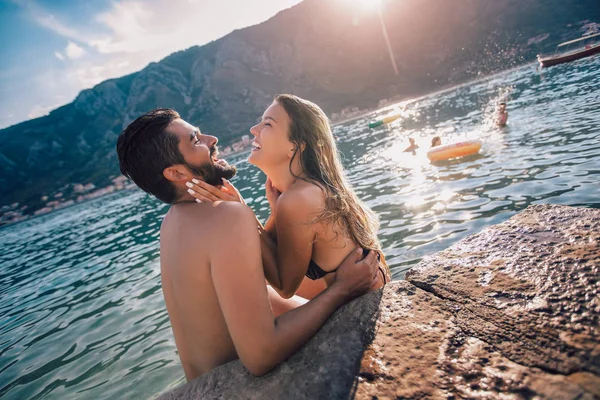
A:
(47, 20)
(40, 111)
(154, 29)
(91, 75)
(74, 51)
(125, 38)
(50, 22)
(127, 22)
(162, 27)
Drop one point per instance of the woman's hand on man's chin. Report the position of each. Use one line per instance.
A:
(203, 192)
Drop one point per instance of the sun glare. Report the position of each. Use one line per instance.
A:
(365, 4)
(370, 3)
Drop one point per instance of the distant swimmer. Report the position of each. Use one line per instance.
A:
(413, 146)
(436, 141)
(502, 115)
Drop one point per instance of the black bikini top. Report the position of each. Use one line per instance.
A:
(315, 272)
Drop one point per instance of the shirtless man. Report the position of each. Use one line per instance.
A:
(212, 275)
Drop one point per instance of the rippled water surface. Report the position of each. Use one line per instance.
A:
(81, 309)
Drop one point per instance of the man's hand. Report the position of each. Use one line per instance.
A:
(203, 192)
(355, 276)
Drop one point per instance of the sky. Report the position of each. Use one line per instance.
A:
(53, 49)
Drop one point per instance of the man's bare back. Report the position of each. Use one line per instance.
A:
(189, 291)
(214, 288)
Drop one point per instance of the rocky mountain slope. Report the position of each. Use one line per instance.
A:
(323, 50)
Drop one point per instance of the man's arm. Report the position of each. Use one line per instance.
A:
(262, 341)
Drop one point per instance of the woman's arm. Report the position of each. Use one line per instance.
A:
(268, 247)
(293, 249)
(272, 195)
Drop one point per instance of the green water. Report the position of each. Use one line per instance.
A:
(81, 310)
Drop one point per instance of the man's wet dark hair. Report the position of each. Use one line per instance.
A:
(503, 104)
(145, 148)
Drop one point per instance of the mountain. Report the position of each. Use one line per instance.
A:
(323, 50)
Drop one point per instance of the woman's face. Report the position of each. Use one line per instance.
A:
(271, 146)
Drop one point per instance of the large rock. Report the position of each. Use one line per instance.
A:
(511, 312)
(529, 286)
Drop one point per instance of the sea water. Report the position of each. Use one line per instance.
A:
(81, 307)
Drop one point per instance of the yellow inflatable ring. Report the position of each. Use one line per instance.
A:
(454, 150)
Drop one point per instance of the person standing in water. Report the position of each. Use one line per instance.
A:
(502, 115)
(436, 141)
(413, 146)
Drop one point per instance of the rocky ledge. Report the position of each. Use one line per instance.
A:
(509, 313)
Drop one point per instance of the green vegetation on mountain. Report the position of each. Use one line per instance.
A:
(333, 55)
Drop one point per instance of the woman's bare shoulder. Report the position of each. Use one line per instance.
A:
(303, 197)
(307, 192)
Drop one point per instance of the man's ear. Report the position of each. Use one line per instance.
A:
(177, 173)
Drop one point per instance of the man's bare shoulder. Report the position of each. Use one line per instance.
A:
(219, 217)
(191, 212)
(233, 213)
(191, 228)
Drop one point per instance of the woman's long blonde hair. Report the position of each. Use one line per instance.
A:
(319, 158)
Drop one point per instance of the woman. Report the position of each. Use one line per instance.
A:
(316, 218)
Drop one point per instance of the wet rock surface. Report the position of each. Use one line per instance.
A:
(324, 368)
(529, 286)
(509, 313)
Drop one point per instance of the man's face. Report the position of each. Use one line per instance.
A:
(201, 154)
(502, 107)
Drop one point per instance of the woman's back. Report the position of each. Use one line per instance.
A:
(332, 242)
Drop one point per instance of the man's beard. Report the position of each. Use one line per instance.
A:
(212, 173)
